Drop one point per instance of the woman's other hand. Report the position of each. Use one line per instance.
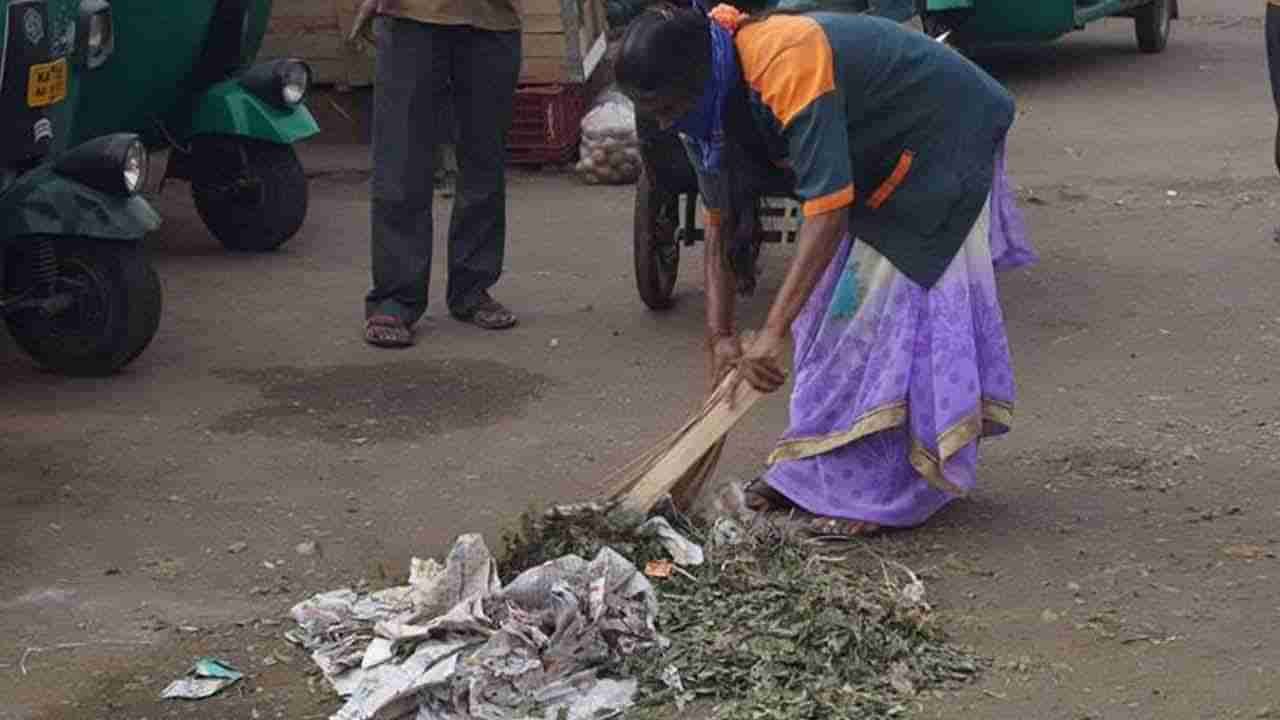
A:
(723, 352)
(761, 364)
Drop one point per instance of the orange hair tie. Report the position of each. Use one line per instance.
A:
(728, 17)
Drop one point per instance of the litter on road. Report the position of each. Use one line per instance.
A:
(456, 643)
(207, 678)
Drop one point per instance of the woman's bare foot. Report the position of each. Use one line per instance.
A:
(762, 498)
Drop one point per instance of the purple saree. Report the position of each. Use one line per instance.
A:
(895, 385)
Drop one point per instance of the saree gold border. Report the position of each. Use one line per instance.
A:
(996, 411)
(925, 462)
(878, 420)
(950, 441)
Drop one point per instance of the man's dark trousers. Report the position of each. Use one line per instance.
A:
(421, 66)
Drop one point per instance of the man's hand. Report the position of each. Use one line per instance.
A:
(364, 15)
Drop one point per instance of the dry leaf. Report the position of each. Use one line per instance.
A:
(1247, 552)
(659, 568)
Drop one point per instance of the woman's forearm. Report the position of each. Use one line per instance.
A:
(817, 244)
(719, 282)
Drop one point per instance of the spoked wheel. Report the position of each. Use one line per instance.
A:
(657, 252)
(112, 314)
(1153, 23)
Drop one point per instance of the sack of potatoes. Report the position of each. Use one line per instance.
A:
(609, 153)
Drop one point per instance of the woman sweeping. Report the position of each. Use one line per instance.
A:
(895, 143)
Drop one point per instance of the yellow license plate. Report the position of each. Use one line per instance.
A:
(47, 83)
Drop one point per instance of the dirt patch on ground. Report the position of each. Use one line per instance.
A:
(393, 401)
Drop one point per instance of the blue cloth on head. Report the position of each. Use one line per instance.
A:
(704, 125)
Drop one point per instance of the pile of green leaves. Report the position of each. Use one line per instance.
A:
(770, 627)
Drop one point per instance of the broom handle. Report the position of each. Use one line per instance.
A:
(715, 420)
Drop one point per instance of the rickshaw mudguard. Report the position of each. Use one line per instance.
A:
(43, 202)
(227, 108)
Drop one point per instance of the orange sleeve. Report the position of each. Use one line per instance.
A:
(789, 65)
(841, 198)
(788, 61)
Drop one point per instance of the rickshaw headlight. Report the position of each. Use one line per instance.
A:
(295, 80)
(135, 167)
(115, 164)
(283, 83)
(98, 30)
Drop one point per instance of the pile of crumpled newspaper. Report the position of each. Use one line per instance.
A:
(454, 644)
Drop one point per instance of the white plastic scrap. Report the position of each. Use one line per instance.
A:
(207, 678)
(682, 550)
(456, 645)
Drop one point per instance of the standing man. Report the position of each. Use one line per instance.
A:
(431, 52)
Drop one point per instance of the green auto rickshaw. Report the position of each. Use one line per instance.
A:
(977, 23)
(184, 79)
(77, 293)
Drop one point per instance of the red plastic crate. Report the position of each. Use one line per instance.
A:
(546, 124)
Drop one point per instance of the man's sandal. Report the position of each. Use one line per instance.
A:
(488, 314)
(387, 331)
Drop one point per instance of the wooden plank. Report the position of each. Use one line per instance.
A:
(544, 45)
(290, 16)
(543, 7)
(543, 23)
(309, 47)
(547, 70)
(301, 7)
(287, 24)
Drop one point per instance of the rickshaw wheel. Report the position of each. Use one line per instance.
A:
(657, 254)
(252, 195)
(114, 315)
(1153, 23)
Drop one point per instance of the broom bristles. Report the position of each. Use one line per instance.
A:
(681, 463)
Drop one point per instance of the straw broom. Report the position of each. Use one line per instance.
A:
(681, 463)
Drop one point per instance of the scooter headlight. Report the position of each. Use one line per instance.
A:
(115, 164)
(283, 82)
